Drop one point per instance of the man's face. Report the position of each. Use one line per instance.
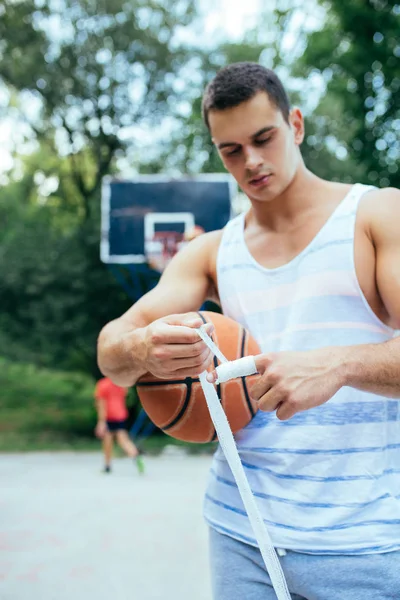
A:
(257, 146)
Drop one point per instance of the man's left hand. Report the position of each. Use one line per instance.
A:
(291, 382)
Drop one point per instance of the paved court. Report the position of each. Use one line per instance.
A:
(68, 532)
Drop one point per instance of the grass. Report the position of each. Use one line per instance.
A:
(50, 441)
(156, 443)
(17, 441)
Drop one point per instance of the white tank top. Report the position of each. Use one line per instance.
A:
(327, 480)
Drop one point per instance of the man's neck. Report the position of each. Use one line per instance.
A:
(301, 196)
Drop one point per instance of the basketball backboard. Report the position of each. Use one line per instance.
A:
(147, 219)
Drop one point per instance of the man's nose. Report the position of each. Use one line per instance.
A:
(253, 158)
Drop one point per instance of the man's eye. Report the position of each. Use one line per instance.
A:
(235, 151)
(263, 141)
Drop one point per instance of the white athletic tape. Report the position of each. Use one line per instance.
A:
(227, 441)
(213, 347)
(236, 368)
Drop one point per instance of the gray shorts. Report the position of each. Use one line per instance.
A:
(238, 573)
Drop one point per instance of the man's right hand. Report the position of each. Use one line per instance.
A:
(171, 347)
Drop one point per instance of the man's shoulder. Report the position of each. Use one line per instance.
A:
(379, 200)
(215, 237)
(380, 210)
(206, 244)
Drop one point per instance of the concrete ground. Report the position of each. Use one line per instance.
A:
(69, 532)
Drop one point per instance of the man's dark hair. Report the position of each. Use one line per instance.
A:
(238, 83)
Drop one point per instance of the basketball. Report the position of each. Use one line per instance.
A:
(179, 408)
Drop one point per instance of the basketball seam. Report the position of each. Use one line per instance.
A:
(202, 318)
(246, 393)
(178, 417)
(166, 382)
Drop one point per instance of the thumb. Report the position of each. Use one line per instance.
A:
(189, 320)
(194, 320)
(186, 319)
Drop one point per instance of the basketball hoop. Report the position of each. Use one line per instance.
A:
(162, 248)
(164, 235)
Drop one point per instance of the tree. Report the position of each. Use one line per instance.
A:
(99, 73)
(357, 52)
(55, 294)
(100, 70)
(190, 148)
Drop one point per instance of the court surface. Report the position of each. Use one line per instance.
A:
(67, 531)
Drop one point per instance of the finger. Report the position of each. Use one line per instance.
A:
(263, 361)
(209, 327)
(260, 387)
(194, 373)
(271, 400)
(176, 351)
(212, 377)
(190, 320)
(189, 365)
(174, 334)
(286, 411)
(187, 319)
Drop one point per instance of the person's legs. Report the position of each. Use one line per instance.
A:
(238, 571)
(129, 448)
(126, 443)
(107, 443)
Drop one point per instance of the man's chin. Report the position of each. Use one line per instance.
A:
(261, 195)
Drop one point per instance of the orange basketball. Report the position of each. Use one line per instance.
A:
(179, 407)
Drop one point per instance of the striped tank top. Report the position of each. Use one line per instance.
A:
(327, 480)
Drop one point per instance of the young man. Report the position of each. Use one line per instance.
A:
(111, 421)
(313, 272)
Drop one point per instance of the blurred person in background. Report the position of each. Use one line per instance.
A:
(111, 422)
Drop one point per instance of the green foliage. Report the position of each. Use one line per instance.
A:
(190, 148)
(99, 70)
(55, 293)
(357, 52)
(39, 406)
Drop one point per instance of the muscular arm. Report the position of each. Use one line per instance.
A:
(183, 287)
(376, 367)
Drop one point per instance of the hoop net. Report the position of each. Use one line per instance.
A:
(163, 247)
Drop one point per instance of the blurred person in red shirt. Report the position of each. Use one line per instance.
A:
(111, 422)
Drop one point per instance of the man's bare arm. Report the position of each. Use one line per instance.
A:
(156, 334)
(376, 367)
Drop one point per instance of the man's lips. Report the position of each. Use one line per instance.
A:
(260, 180)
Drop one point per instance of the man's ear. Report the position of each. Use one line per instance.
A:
(296, 121)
